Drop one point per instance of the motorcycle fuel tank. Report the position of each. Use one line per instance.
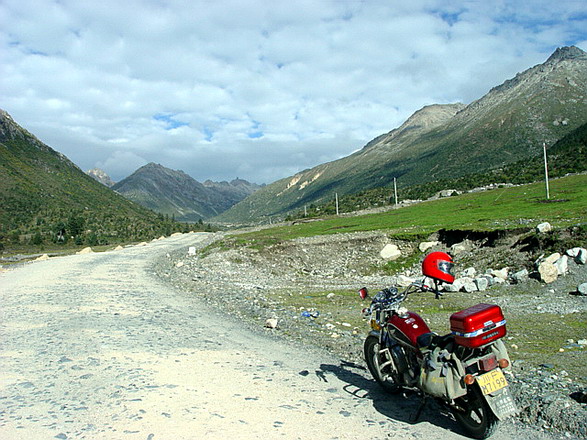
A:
(411, 325)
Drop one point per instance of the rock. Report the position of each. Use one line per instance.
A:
(469, 272)
(87, 250)
(582, 257)
(118, 248)
(459, 248)
(404, 281)
(562, 265)
(451, 287)
(482, 284)
(465, 283)
(548, 272)
(390, 252)
(469, 285)
(179, 264)
(43, 257)
(544, 227)
(574, 252)
(330, 295)
(582, 289)
(192, 250)
(425, 245)
(271, 323)
(501, 273)
(520, 276)
(552, 258)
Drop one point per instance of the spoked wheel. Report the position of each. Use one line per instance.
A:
(380, 365)
(475, 415)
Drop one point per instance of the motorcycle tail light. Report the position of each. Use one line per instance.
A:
(469, 379)
(503, 363)
(488, 364)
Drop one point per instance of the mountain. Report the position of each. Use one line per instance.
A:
(101, 176)
(176, 194)
(508, 124)
(43, 194)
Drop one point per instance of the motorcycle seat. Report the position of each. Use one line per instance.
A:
(425, 340)
(431, 340)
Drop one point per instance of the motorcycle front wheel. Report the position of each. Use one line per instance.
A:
(475, 415)
(374, 358)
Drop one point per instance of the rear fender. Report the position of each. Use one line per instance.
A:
(501, 403)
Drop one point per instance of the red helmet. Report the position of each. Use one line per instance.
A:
(438, 265)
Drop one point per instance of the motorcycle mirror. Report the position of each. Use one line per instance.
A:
(364, 293)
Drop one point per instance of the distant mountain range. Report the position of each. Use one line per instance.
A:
(178, 195)
(43, 195)
(508, 124)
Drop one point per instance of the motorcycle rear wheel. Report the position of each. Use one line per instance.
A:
(374, 359)
(475, 416)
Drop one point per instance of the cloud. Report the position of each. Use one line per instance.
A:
(255, 89)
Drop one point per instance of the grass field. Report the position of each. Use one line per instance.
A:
(499, 209)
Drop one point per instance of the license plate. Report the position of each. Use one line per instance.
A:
(492, 382)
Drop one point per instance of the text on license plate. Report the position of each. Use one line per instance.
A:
(492, 381)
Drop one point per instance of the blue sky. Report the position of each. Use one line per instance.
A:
(255, 89)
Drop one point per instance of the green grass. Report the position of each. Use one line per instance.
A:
(500, 209)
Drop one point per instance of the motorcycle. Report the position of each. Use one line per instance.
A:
(463, 370)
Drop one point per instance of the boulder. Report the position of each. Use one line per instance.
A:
(562, 265)
(459, 248)
(482, 284)
(548, 272)
(552, 258)
(521, 276)
(43, 257)
(582, 289)
(390, 252)
(87, 250)
(582, 257)
(425, 245)
(574, 253)
(542, 228)
(469, 272)
(466, 284)
(501, 273)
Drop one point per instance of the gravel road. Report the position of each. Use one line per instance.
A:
(94, 346)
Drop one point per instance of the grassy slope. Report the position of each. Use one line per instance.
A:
(506, 208)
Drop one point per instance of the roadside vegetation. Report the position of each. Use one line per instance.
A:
(507, 208)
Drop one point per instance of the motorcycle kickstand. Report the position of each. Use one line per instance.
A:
(416, 416)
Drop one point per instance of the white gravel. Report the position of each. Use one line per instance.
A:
(92, 346)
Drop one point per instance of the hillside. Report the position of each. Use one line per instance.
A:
(43, 195)
(178, 195)
(508, 124)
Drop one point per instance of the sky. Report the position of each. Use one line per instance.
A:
(255, 89)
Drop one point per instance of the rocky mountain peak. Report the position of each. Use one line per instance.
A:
(101, 176)
(566, 53)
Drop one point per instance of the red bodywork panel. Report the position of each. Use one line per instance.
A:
(412, 325)
(478, 325)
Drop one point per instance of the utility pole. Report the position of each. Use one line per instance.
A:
(305, 210)
(395, 189)
(336, 197)
(546, 171)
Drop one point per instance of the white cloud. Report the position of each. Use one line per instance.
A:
(257, 89)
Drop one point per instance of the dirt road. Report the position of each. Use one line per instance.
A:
(93, 346)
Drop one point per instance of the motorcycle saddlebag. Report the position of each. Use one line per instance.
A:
(478, 325)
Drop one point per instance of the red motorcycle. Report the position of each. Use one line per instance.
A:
(463, 370)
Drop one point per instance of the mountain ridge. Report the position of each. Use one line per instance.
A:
(510, 122)
(176, 194)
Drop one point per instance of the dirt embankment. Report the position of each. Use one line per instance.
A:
(320, 274)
